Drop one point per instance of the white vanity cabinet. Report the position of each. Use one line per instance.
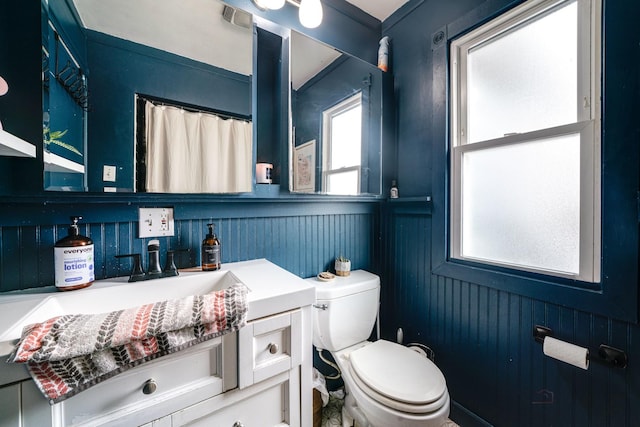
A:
(259, 376)
(271, 359)
(133, 397)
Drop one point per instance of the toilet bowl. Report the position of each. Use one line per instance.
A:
(387, 384)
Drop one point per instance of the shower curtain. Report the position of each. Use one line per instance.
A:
(196, 152)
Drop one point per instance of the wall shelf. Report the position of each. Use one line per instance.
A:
(13, 146)
(55, 163)
(417, 199)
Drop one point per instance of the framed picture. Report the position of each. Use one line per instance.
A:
(304, 167)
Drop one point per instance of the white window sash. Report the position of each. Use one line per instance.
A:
(327, 117)
(587, 125)
(590, 201)
(589, 46)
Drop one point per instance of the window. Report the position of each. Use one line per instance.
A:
(525, 141)
(342, 147)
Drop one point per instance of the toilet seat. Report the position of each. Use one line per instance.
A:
(398, 377)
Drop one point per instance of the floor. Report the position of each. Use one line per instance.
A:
(332, 414)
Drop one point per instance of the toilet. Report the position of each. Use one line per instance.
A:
(386, 384)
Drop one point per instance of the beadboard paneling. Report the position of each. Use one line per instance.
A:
(483, 342)
(291, 236)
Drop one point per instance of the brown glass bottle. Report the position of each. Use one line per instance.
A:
(211, 251)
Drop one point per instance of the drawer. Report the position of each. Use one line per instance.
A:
(154, 388)
(264, 405)
(269, 346)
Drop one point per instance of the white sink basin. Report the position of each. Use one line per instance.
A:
(105, 296)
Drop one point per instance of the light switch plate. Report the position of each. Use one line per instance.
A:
(155, 222)
(109, 173)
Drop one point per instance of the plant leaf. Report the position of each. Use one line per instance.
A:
(64, 145)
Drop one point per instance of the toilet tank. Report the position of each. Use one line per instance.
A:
(350, 309)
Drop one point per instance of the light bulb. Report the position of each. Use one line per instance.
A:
(268, 4)
(310, 13)
(273, 4)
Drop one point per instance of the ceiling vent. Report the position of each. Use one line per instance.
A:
(236, 16)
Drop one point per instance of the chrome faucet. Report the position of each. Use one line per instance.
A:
(153, 271)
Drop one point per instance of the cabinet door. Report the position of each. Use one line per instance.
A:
(22, 405)
(10, 406)
(269, 346)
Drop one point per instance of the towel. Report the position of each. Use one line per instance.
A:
(68, 354)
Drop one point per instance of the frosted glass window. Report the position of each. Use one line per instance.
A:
(525, 79)
(521, 204)
(525, 140)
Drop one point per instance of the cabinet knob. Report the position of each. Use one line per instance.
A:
(238, 424)
(273, 348)
(149, 386)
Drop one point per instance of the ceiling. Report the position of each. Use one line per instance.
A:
(380, 9)
(181, 26)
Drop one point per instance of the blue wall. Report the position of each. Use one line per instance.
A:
(119, 70)
(481, 333)
(303, 238)
(344, 77)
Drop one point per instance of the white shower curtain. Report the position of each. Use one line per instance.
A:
(196, 152)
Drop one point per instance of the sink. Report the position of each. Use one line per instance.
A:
(105, 296)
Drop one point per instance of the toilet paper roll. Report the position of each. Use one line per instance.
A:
(566, 352)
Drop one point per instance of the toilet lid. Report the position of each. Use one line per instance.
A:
(398, 373)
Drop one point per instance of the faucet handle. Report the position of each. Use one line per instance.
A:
(170, 268)
(136, 272)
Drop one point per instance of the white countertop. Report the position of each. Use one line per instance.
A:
(271, 290)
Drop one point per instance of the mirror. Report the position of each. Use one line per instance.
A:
(336, 108)
(195, 55)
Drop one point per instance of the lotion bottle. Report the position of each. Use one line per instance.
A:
(73, 260)
(211, 251)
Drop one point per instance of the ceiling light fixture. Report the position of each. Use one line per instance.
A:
(310, 13)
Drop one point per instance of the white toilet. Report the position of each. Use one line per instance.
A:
(387, 384)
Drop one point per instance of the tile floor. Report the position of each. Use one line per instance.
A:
(332, 414)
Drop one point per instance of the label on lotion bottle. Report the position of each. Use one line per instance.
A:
(73, 259)
(73, 266)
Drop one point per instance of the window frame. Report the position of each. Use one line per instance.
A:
(587, 126)
(617, 296)
(327, 118)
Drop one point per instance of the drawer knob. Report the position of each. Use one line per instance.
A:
(238, 424)
(149, 386)
(273, 348)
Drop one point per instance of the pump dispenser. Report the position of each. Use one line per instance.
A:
(73, 259)
(211, 251)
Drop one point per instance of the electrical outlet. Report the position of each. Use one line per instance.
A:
(155, 222)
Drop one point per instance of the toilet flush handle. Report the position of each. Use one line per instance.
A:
(321, 306)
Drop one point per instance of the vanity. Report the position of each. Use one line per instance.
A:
(258, 376)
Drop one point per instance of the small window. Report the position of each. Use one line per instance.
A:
(525, 150)
(342, 147)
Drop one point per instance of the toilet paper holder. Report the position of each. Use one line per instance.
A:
(606, 354)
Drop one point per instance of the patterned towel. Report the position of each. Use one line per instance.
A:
(68, 354)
